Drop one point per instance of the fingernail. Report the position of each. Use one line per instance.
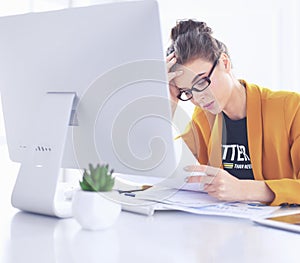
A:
(186, 179)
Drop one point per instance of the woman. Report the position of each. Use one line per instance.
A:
(245, 137)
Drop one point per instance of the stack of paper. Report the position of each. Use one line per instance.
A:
(189, 199)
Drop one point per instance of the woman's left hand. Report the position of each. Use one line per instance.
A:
(217, 182)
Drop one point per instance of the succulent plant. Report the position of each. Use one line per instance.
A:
(98, 179)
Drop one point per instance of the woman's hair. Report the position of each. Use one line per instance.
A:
(192, 39)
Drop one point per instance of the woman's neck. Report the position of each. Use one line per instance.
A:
(236, 108)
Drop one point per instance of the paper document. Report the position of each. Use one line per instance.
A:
(202, 203)
(189, 198)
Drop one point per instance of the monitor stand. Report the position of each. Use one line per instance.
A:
(36, 185)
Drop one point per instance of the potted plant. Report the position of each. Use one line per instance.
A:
(93, 205)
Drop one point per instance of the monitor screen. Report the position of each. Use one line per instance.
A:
(109, 55)
(84, 85)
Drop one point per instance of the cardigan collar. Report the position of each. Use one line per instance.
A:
(254, 131)
(254, 128)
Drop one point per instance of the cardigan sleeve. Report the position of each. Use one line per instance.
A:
(287, 190)
(195, 141)
(198, 133)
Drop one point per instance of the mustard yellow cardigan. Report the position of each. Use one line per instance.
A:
(273, 126)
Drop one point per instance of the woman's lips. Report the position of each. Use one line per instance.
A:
(208, 106)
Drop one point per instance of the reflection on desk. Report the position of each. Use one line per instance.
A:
(167, 236)
(39, 238)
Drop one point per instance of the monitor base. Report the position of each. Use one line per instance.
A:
(35, 189)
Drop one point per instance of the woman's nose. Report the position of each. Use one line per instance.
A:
(201, 96)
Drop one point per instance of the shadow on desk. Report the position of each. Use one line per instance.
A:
(37, 238)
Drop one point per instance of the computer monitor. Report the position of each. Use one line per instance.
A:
(84, 85)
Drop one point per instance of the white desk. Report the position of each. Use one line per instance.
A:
(165, 237)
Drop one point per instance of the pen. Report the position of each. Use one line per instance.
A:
(129, 194)
(143, 187)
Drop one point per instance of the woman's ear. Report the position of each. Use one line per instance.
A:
(226, 62)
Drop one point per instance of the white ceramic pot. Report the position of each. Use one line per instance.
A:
(95, 210)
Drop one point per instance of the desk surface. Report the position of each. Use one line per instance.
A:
(165, 237)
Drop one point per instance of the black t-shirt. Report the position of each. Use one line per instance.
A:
(235, 150)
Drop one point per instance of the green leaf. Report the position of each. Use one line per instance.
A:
(84, 186)
(85, 173)
(96, 176)
(90, 182)
(102, 182)
(91, 168)
(97, 179)
(111, 183)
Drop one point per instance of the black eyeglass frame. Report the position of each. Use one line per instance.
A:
(189, 92)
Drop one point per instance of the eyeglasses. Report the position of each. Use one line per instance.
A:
(201, 85)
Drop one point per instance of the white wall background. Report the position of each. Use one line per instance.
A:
(263, 36)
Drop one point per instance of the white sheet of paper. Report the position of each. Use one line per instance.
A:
(190, 198)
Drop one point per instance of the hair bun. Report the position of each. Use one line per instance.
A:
(184, 26)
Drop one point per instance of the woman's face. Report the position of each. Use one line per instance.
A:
(216, 96)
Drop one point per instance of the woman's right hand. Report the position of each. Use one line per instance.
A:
(171, 61)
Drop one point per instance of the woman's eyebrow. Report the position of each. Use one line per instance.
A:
(196, 77)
